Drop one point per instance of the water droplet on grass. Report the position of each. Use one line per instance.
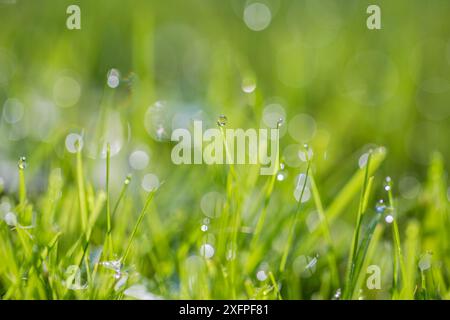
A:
(380, 207)
(127, 179)
(261, 275)
(121, 282)
(387, 188)
(11, 219)
(13, 111)
(204, 228)
(138, 159)
(281, 176)
(389, 219)
(150, 182)
(305, 155)
(363, 160)
(257, 16)
(140, 292)
(248, 85)
(222, 121)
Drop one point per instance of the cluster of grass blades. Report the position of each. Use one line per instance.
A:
(74, 242)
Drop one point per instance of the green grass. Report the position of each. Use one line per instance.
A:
(81, 225)
(76, 260)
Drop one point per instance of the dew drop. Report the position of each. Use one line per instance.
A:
(257, 16)
(387, 187)
(389, 219)
(22, 164)
(306, 155)
(13, 111)
(280, 122)
(248, 85)
(207, 251)
(204, 228)
(337, 295)
(281, 176)
(222, 121)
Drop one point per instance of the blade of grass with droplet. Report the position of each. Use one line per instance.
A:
(411, 247)
(81, 191)
(122, 193)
